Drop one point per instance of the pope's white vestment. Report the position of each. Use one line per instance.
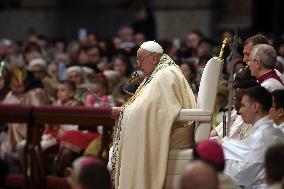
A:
(147, 129)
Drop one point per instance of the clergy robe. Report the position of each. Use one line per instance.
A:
(238, 129)
(245, 158)
(271, 81)
(147, 128)
(281, 126)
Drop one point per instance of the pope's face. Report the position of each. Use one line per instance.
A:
(146, 61)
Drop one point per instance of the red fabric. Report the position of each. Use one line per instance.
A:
(268, 75)
(52, 149)
(210, 151)
(78, 139)
(51, 131)
(14, 180)
(80, 110)
(53, 182)
(101, 75)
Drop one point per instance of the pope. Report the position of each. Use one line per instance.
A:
(146, 124)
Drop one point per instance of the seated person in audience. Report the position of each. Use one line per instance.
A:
(89, 74)
(238, 129)
(274, 166)
(57, 71)
(38, 67)
(66, 94)
(89, 173)
(199, 175)
(5, 77)
(21, 93)
(114, 85)
(73, 142)
(245, 158)
(76, 74)
(100, 98)
(220, 102)
(65, 97)
(52, 133)
(212, 153)
(190, 73)
(123, 66)
(276, 111)
(31, 50)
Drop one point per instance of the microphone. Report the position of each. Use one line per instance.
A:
(134, 75)
(127, 88)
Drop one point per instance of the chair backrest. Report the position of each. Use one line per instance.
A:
(209, 84)
(207, 95)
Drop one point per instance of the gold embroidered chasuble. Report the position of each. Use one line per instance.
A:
(147, 129)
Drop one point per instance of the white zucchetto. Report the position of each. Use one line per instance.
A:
(152, 46)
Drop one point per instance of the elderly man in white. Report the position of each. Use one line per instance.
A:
(261, 62)
(146, 127)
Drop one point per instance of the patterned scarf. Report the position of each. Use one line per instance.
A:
(165, 61)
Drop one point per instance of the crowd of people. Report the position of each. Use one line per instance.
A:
(95, 72)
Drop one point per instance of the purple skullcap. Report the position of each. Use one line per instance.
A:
(210, 151)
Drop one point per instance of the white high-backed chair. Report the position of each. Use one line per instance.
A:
(202, 115)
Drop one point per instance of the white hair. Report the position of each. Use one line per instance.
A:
(266, 54)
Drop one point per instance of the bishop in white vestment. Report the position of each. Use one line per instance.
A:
(146, 127)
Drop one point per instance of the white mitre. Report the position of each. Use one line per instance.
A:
(152, 46)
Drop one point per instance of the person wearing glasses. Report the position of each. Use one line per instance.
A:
(261, 62)
(245, 158)
(146, 128)
(276, 111)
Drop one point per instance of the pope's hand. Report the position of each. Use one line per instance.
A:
(115, 112)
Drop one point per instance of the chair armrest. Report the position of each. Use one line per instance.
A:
(194, 115)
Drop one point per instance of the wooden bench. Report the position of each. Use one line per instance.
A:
(36, 117)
